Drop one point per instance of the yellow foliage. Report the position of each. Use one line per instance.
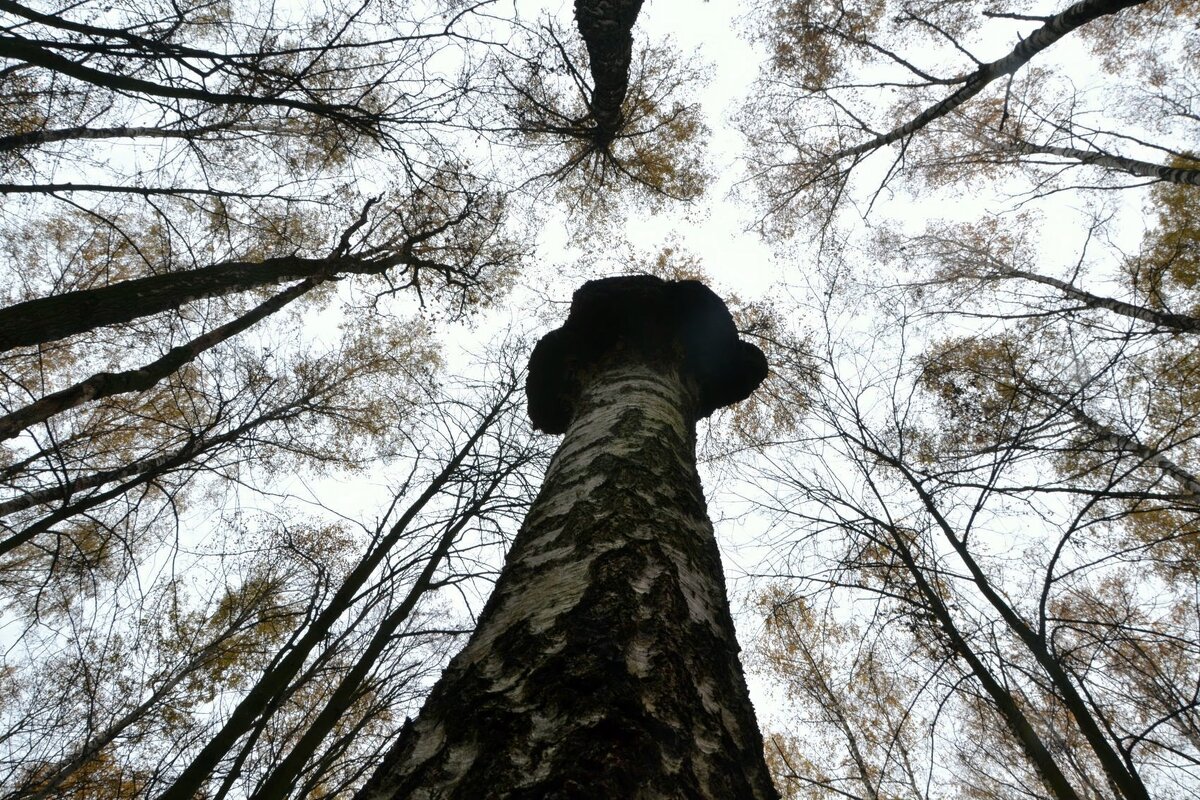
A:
(857, 727)
(803, 39)
(1134, 41)
(776, 407)
(102, 777)
(975, 382)
(658, 151)
(789, 768)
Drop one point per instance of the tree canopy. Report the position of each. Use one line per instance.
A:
(271, 273)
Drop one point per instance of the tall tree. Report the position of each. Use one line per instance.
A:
(610, 110)
(131, 279)
(1016, 508)
(1005, 414)
(605, 664)
(233, 236)
(232, 684)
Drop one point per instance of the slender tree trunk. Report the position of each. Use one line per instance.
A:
(16, 141)
(107, 384)
(1143, 169)
(277, 677)
(1122, 776)
(1121, 442)
(605, 663)
(1008, 705)
(1182, 323)
(46, 319)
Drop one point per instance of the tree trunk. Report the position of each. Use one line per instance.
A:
(107, 384)
(1143, 169)
(46, 319)
(606, 27)
(604, 665)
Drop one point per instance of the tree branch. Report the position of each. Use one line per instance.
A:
(1054, 29)
(107, 384)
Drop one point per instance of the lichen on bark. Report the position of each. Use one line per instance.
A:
(604, 664)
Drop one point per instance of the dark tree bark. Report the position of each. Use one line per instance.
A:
(1121, 774)
(279, 677)
(107, 384)
(607, 30)
(46, 319)
(605, 664)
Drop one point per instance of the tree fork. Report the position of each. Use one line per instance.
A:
(605, 664)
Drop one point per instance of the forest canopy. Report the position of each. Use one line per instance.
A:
(270, 276)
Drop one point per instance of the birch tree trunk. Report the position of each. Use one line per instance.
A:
(605, 665)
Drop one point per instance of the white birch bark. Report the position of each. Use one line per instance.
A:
(605, 663)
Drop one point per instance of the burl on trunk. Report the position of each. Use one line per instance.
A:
(604, 664)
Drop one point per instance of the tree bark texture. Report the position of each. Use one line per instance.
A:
(1143, 169)
(605, 664)
(606, 27)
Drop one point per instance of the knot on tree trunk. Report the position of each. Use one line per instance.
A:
(670, 325)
